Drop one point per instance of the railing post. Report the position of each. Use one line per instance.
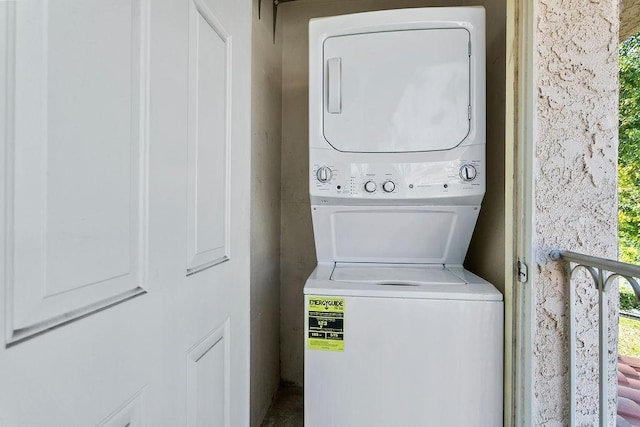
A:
(597, 268)
(572, 352)
(603, 330)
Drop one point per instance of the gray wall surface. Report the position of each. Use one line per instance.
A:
(266, 134)
(486, 255)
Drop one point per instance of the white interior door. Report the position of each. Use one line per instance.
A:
(124, 198)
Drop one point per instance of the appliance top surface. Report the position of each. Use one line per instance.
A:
(398, 17)
(421, 281)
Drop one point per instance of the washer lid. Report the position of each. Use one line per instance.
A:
(398, 274)
(410, 281)
(397, 91)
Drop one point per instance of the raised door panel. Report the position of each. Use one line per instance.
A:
(208, 381)
(76, 157)
(129, 414)
(208, 183)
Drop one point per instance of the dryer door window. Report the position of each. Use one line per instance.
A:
(399, 91)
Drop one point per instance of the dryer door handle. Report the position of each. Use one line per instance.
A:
(334, 85)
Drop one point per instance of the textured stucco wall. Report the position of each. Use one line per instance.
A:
(486, 255)
(266, 135)
(575, 55)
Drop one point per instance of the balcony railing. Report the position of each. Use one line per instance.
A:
(603, 272)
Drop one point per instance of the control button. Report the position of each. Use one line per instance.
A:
(324, 174)
(388, 186)
(370, 187)
(468, 172)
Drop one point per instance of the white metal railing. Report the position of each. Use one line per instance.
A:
(603, 271)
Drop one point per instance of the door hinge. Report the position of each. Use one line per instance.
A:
(469, 48)
(469, 112)
(523, 272)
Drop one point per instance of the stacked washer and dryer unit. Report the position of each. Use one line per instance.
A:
(397, 331)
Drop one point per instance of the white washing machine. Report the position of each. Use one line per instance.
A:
(397, 332)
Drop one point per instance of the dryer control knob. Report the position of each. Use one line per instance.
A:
(468, 172)
(324, 174)
(370, 186)
(389, 186)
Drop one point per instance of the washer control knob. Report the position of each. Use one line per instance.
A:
(324, 174)
(389, 186)
(468, 172)
(370, 187)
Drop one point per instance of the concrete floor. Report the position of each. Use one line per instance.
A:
(287, 408)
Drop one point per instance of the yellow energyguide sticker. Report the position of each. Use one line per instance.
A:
(326, 323)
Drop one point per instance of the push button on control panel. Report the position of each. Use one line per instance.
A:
(324, 174)
(370, 186)
(389, 186)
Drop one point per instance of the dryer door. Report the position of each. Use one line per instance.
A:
(397, 91)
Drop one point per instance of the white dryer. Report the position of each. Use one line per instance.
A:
(397, 332)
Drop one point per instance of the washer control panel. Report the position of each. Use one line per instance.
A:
(459, 177)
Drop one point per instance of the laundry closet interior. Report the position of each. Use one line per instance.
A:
(282, 247)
